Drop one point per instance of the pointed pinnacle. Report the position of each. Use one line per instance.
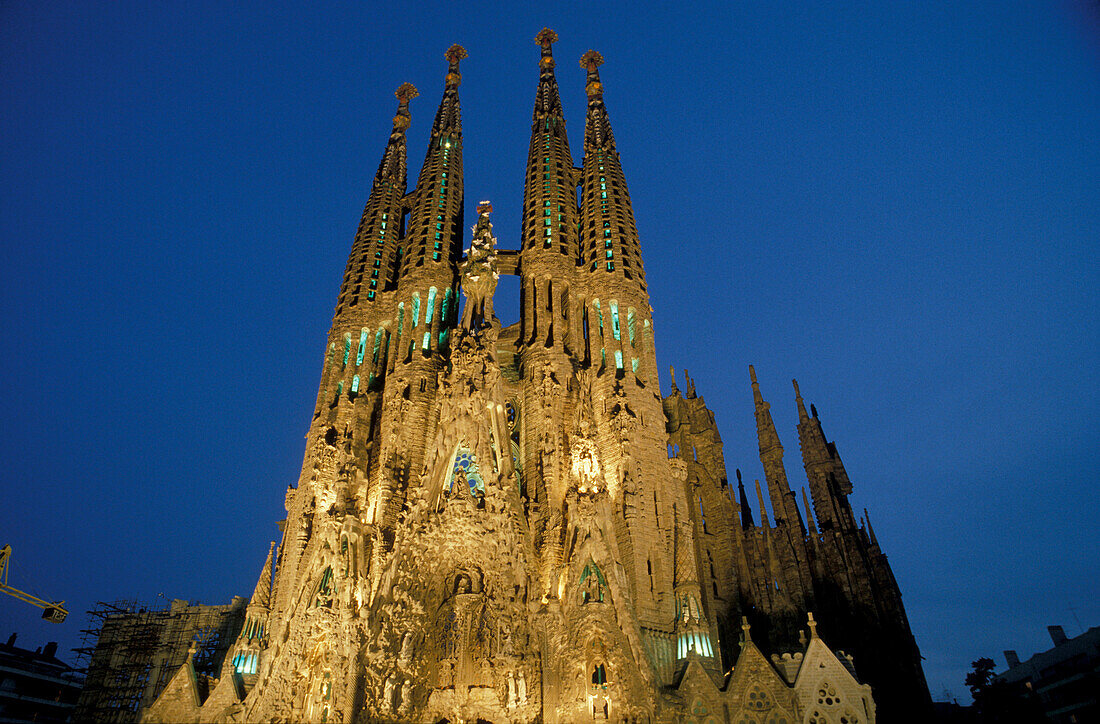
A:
(809, 511)
(746, 628)
(763, 511)
(752, 374)
(870, 528)
(812, 624)
(802, 416)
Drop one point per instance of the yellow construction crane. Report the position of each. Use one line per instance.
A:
(54, 612)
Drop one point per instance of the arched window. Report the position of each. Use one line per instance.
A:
(630, 324)
(599, 675)
(615, 330)
(355, 384)
(416, 310)
(347, 348)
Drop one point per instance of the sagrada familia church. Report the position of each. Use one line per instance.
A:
(515, 524)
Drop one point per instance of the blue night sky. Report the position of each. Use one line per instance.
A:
(896, 203)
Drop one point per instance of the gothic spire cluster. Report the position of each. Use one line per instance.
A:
(512, 523)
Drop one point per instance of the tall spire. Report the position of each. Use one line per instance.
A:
(434, 236)
(763, 508)
(784, 506)
(609, 247)
(597, 127)
(547, 100)
(809, 513)
(261, 595)
(829, 483)
(802, 416)
(394, 159)
(549, 237)
(376, 242)
(449, 118)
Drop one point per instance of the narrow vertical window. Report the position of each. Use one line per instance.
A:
(355, 383)
(362, 346)
(615, 330)
(416, 310)
(347, 348)
(377, 344)
(429, 312)
(619, 359)
(445, 308)
(400, 317)
(630, 324)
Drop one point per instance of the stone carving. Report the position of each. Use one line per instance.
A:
(479, 273)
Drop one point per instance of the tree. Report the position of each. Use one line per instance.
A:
(998, 702)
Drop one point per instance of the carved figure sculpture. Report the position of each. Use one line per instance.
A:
(479, 273)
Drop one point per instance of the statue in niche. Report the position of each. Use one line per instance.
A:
(591, 590)
(406, 690)
(462, 584)
(521, 688)
(406, 650)
(479, 273)
(387, 691)
(505, 638)
(511, 690)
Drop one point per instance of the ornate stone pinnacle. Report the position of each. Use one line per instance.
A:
(591, 60)
(546, 37)
(455, 53)
(484, 208)
(406, 92)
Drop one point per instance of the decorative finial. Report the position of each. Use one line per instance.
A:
(484, 207)
(546, 37)
(797, 393)
(191, 650)
(745, 627)
(455, 53)
(406, 92)
(591, 60)
(752, 374)
(812, 624)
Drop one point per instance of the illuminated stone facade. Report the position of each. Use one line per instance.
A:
(491, 524)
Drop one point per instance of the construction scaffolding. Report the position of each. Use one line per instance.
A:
(130, 651)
